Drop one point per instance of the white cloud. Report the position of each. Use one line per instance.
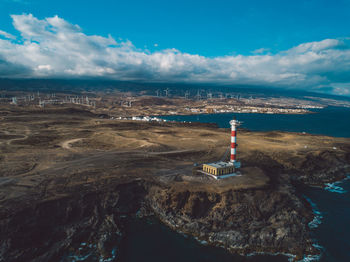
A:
(44, 67)
(316, 46)
(7, 35)
(261, 50)
(53, 47)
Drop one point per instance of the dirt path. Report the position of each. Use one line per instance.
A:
(67, 144)
(22, 136)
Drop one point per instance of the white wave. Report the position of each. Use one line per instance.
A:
(310, 258)
(316, 257)
(75, 258)
(332, 187)
(318, 215)
(312, 225)
(203, 242)
(319, 247)
(87, 251)
(315, 222)
(335, 188)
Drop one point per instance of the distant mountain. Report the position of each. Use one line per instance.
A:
(76, 86)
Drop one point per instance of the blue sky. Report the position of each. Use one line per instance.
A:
(210, 28)
(301, 44)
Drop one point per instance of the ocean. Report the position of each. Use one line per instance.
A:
(330, 228)
(331, 121)
(149, 240)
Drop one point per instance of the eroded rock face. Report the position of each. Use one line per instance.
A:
(270, 218)
(273, 218)
(49, 230)
(243, 221)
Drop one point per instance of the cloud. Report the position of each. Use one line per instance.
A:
(317, 46)
(6, 35)
(261, 50)
(53, 47)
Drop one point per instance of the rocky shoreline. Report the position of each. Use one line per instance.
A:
(81, 200)
(270, 220)
(254, 221)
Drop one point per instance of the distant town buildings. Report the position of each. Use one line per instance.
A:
(127, 104)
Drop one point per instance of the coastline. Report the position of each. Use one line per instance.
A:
(314, 255)
(81, 196)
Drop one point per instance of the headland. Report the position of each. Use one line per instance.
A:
(68, 175)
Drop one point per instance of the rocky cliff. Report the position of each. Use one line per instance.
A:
(243, 221)
(273, 218)
(52, 230)
(71, 194)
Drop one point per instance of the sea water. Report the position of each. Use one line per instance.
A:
(331, 121)
(331, 205)
(149, 240)
(333, 231)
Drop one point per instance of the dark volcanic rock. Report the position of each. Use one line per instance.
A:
(47, 230)
(244, 221)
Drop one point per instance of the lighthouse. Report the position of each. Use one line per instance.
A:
(233, 158)
(223, 169)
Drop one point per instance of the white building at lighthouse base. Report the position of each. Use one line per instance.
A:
(220, 170)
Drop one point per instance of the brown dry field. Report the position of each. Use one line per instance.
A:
(53, 152)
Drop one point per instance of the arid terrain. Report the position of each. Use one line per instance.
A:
(127, 104)
(67, 175)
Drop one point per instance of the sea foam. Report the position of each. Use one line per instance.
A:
(310, 258)
(318, 215)
(335, 188)
(87, 252)
(332, 187)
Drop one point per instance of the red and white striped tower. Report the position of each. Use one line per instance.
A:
(234, 123)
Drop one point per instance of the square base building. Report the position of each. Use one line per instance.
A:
(219, 169)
